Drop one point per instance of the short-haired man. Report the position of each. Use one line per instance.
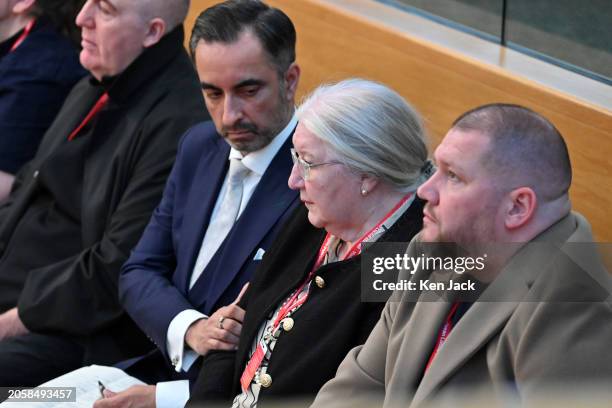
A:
(81, 204)
(201, 247)
(503, 178)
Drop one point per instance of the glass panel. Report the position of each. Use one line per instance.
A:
(578, 32)
(481, 15)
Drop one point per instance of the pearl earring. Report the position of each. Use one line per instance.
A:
(364, 192)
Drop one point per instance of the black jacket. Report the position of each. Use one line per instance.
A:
(327, 326)
(79, 206)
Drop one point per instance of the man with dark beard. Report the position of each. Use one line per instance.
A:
(213, 224)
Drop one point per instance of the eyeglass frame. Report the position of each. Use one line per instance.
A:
(304, 166)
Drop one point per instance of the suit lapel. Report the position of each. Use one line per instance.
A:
(473, 331)
(208, 181)
(271, 198)
(418, 338)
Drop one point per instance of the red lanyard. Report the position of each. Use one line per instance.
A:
(443, 335)
(295, 301)
(93, 112)
(23, 36)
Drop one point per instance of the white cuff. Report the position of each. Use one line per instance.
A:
(175, 339)
(171, 394)
(189, 357)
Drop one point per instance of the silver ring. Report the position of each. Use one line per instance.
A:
(220, 323)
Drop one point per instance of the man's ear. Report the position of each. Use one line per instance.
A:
(292, 78)
(23, 6)
(157, 29)
(520, 208)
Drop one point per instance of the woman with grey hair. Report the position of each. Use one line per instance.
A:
(359, 156)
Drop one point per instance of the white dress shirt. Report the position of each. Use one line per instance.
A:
(176, 393)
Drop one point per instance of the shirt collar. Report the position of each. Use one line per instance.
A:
(258, 161)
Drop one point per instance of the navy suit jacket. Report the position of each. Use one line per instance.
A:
(154, 282)
(34, 81)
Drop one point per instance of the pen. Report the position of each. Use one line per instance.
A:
(101, 387)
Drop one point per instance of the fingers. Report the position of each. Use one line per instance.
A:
(206, 335)
(135, 396)
(227, 318)
(109, 394)
(101, 403)
(221, 331)
(230, 325)
(232, 311)
(242, 292)
(109, 399)
(214, 344)
(226, 335)
(216, 340)
(106, 402)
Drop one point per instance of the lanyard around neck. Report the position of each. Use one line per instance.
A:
(26, 31)
(355, 250)
(295, 301)
(102, 101)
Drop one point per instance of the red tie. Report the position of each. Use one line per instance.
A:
(93, 112)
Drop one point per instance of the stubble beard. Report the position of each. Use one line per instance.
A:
(263, 136)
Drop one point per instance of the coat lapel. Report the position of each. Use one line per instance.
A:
(279, 279)
(484, 319)
(473, 331)
(209, 178)
(418, 337)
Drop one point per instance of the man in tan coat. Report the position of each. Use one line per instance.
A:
(544, 318)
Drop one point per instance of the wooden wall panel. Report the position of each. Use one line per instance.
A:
(441, 84)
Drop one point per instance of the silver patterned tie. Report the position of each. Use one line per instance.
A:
(225, 218)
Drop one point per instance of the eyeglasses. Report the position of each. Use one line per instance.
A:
(304, 167)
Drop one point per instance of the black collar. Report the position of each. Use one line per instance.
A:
(144, 67)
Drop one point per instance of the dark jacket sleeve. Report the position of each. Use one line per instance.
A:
(34, 81)
(27, 108)
(215, 380)
(146, 278)
(78, 295)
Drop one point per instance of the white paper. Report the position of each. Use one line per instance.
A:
(86, 382)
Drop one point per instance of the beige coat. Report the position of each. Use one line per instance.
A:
(516, 346)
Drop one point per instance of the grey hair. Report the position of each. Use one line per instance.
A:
(372, 128)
